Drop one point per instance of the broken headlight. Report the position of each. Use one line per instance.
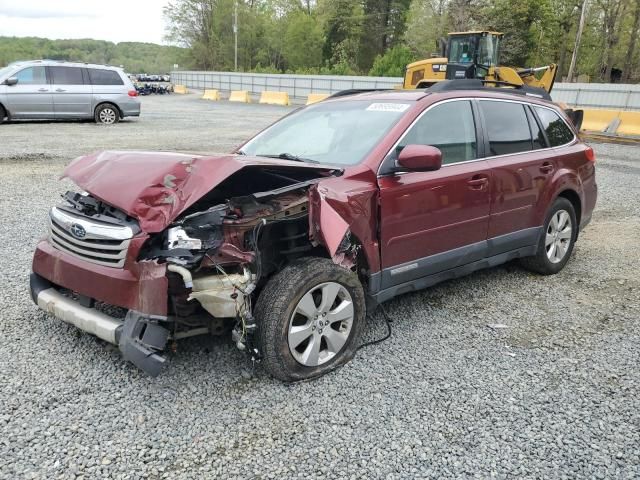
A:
(178, 238)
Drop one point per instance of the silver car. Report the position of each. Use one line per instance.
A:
(49, 89)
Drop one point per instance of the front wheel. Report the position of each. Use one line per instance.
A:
(557, 239)
(107, 114)
(309, 316)
(3, 114)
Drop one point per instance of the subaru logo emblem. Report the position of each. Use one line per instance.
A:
(77, 230)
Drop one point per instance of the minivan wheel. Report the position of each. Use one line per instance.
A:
(557, 239)
(107, 114)
(309, 317)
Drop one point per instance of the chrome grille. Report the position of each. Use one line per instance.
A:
(101, 243)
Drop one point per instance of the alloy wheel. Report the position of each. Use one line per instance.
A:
(320, 324)
(559, 235)
(108, 116)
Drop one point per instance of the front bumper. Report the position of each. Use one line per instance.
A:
(139, 336)
(140, 286)
(49, 299)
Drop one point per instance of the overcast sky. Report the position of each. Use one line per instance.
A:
(114, 20)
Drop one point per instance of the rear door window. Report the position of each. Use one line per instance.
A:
(104, 77)
(32, 76)
(449, 127)
(507, 127)
(66, 75)
(557, 131)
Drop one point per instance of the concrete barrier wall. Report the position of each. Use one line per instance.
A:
(297, 86)
(586, 95)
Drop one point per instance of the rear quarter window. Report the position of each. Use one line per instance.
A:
(557, 131)
(104, 77)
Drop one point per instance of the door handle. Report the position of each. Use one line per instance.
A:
(43, 89)
(546, 167)
(60, 90)
(478, 182)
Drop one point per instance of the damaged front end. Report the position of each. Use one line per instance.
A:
(216, 258)
(193, 270)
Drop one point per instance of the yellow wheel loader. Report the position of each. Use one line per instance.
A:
(475, 55)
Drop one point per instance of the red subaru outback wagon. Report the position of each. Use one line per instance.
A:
(335, 208)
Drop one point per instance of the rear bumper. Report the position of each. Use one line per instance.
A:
(140, 337)
(130, 108)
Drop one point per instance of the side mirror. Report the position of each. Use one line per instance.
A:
(420, 158)
(11, 81)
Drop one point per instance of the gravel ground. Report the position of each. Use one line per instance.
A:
(553, 395)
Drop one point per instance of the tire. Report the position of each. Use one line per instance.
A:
(107, 114)
(3, 114)
(298, 346)
(551, 258)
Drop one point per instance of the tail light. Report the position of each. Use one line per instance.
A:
(590, 154)
(132, 93)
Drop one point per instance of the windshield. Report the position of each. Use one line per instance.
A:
(462, 48)
(339, 133)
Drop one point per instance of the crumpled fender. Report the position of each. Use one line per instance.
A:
(341, 205)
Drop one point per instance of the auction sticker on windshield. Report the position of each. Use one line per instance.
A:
(388, 107)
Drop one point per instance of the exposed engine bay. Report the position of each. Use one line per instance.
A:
(221, 248)
(186, 248)
(224, 246)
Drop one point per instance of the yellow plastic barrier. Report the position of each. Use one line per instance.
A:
(275, 98)
(211, 95)
(240, 96)
(180, 89)
(316, 97)
(629, 123)
(596, 120)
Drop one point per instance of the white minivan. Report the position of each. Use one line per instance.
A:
(50, 89)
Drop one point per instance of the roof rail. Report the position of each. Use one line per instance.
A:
(355, 91)
(489, 85)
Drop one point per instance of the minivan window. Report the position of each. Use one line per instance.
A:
(449, 127)
(104, 77)
(557, 131)
(536, 134)
(66, 75)
(507, 127)
(32, 76)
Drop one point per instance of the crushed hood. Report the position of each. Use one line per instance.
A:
(155, 187)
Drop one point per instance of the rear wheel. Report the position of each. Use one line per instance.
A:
(309, 319)
(107, 114)
(557, 240)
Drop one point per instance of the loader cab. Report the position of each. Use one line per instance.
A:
(472, 54)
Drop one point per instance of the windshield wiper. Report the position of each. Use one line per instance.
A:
(288, 156)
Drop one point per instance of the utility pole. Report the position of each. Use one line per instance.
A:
(235, 35)
(574, 57)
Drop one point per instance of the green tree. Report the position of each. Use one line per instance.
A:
(303, 41)
(393, 62)
(383, 27)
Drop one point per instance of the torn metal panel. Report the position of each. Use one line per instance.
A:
(227, 254)
(338, 206)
